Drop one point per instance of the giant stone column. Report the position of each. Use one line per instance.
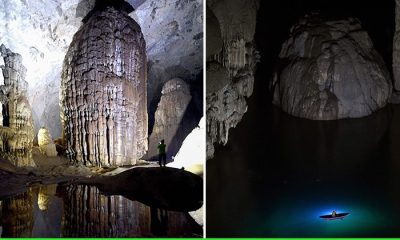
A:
(103, 90)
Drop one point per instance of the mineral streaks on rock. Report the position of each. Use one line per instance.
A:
(103, 91)
(230, 72)
(170, 112)
(115, 216)
(17, 125)
(396, 49)
(330, 70)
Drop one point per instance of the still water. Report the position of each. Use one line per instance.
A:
(81, 211)
(279, 173)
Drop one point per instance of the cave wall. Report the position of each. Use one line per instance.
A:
(41, 32)
(103, 91)
(396, 49)
(230, 66)
(16, 132)
(174, 118)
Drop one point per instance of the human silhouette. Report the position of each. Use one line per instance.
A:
(162, 156)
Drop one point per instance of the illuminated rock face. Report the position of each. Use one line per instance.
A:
(330, 70)
(16, 118)
(231, 62)
(169, 124)
(103, 91)
(46, 144)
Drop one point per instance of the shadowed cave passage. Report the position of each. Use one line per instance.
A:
(278, 173)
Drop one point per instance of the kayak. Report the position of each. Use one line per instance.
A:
(337, 216)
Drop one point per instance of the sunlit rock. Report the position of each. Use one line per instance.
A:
(103, 99)
(191, 155)
(17, 124)
(330, 70)
(46, 144)
(170, 124)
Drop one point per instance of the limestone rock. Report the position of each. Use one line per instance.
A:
(170, 124)
(230, 71)
(46, 144)
(104, 101)
(17, 124)
(330, 70)
(396, 49)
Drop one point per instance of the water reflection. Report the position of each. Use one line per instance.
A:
(81, 211)
(290, 170)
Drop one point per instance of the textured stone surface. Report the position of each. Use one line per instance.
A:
(46, 144)
(103, 99)
(170, 124)
(41, 32)
(330, 70)
(16, 120)
(396, 49)
(231, 64)
(173, 30)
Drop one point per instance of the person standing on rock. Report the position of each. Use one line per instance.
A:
(162, 156)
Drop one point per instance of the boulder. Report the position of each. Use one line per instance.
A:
(330, 70)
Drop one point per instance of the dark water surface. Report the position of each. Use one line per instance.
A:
(81, 211)
(278, 174)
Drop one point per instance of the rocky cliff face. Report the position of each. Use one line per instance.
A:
(231, 60)
(170, 121)
(103, 91)
(16, 116)
(330, 70)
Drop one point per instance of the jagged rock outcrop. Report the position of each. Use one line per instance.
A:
(396, 49)
(16, 117)
(170, 123)
(103, 99)
(46, 144)
(231, 61)
(330, 70)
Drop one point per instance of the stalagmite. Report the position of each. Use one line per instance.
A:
(168, 117)
(46, 144)
(17, 125)
(103, 91)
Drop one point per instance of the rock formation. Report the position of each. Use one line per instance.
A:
(231, 60)
(170, 124)
(46, 144)
(396, 49)
(330, 70)
(16, 117)
(103, 99)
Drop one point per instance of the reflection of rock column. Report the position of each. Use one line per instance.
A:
(168, 117)
(230, 66)
(103, 98)
(89, 214)
(17, 217)
(17, 132)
